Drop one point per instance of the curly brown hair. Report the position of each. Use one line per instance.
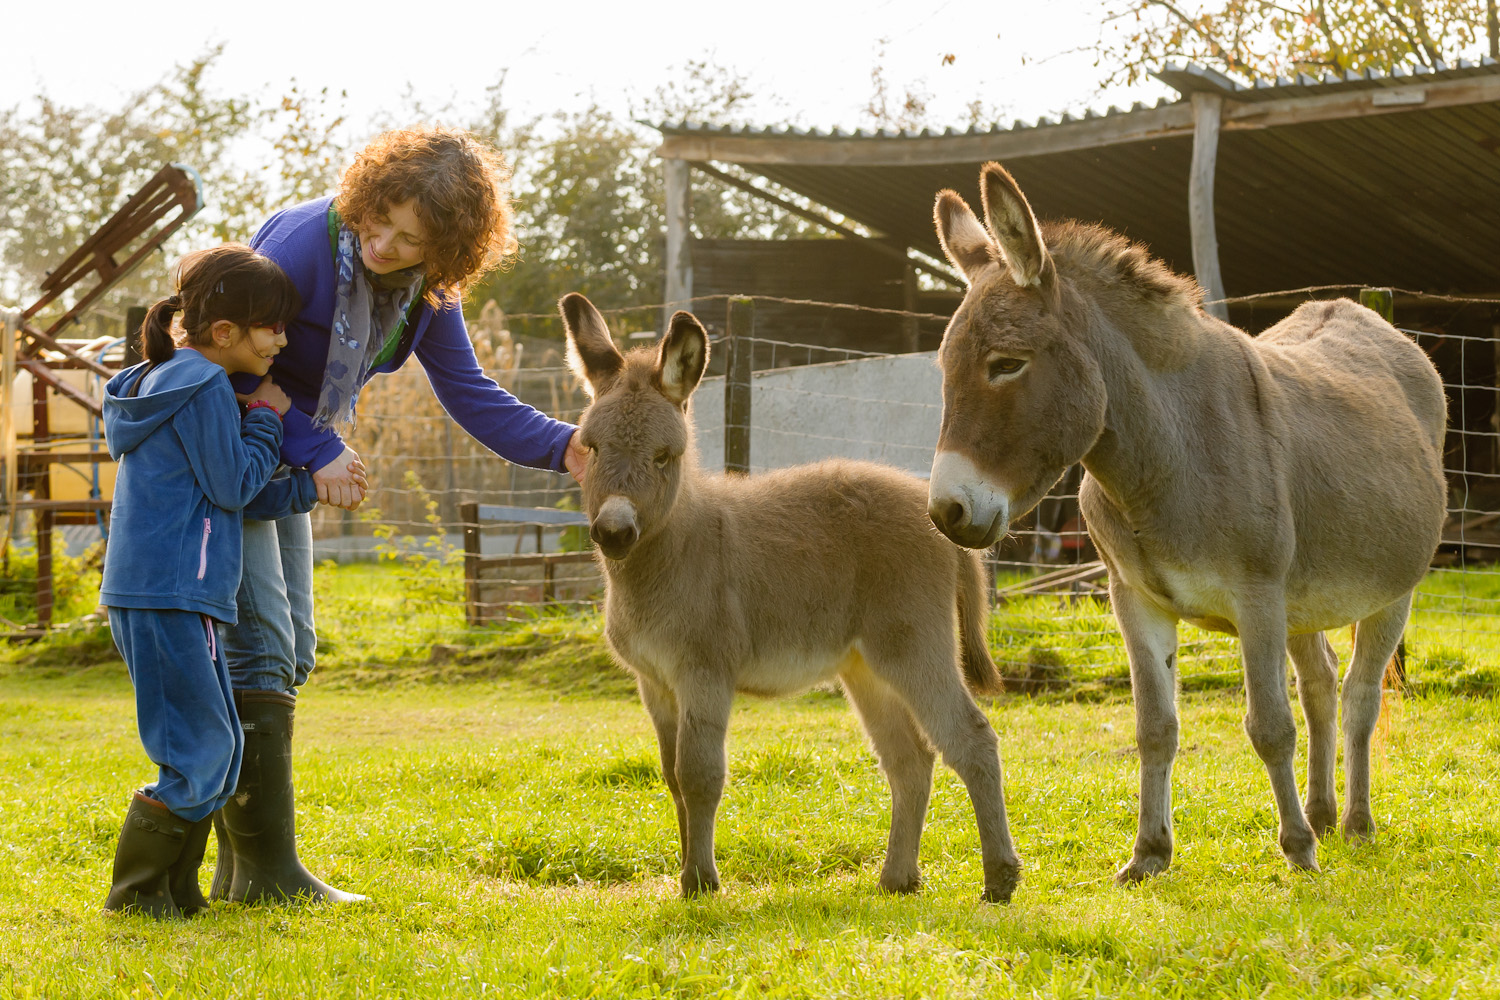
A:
(460, 187)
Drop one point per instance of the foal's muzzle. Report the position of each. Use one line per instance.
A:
(615, 529)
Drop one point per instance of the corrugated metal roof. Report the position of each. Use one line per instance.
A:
(1379, 177)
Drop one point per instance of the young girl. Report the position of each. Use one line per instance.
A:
(190, 467)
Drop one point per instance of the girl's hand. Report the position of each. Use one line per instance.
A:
(342, 482)
(267, 392)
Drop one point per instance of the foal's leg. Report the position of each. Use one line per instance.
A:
(1318, 688)
(662, 708)
(1375, 640)
(906, 758)
(703, 704)
(923, 671)
(1269, 722)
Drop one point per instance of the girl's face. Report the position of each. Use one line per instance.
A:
(392, 240)
(241, 349)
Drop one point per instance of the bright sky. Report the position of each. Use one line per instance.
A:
(807, 61)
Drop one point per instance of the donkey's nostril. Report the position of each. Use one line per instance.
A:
(947, 513)
(614, 538)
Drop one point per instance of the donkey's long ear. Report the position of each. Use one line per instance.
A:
(682, 357)
(1008, 215)
(963, 237)
(591, 354)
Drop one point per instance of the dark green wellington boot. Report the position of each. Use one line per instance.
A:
(260, 820)
(150, 843)
(224, 866)
(183, 875)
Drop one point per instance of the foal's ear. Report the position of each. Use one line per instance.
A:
(591, 353)
(681, 358)
(1008, 216)
(963, 237)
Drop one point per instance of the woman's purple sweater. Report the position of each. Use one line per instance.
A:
(297, 239)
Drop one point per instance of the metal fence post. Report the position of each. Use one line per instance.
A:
(468, 514)
(1381, 301)
(740, 339)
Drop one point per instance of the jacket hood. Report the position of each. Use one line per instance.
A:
(164, 389)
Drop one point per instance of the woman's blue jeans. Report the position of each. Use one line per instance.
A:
(273, 646)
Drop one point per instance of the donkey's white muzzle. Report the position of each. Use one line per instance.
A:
(963, 504)
(615, 528)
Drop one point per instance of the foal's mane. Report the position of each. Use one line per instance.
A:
(1083, 247)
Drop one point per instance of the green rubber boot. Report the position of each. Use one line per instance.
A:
(151, 841)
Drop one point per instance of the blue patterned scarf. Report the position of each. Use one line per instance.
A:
(365, 313)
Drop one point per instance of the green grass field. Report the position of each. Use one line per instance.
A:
(497, 795)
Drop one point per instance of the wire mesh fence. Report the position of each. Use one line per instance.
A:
(447, 533)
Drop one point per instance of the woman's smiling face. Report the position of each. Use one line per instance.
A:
(392, 240)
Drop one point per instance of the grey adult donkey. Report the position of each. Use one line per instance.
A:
(1269, 487)
(769, 584)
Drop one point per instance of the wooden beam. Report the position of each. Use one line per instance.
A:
(942, 274)
(1207, 111)
(1145, 125)
(1149, 123)
(1413, 94)
(679, 284)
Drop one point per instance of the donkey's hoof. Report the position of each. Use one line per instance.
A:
(695, 883)
(900, 884)
(1322, 817)
(1358, 827)
(1300, 848)
(1000, 889)
(1142, 867)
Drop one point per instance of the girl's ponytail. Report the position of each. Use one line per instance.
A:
(156, 331)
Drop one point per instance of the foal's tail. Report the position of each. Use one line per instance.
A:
(973, 619)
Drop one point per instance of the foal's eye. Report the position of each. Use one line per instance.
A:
(1002, 367)
(662, 459)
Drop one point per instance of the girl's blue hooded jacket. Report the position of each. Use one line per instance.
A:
(190, 468)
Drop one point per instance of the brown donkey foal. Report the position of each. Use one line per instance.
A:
(769, 584)
(1271, 487)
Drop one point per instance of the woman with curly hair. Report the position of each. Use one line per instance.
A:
(381, 268)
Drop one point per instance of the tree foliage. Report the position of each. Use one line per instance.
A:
(1268, 38)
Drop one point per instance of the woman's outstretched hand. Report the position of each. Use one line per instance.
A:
(576, 458)
(342, 482)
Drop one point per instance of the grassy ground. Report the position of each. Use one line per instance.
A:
(513, 832)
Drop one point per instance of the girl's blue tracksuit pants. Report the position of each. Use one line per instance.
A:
(183, 706)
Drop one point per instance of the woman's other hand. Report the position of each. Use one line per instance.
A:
(342, 482)
(267, 392)
(576, 458)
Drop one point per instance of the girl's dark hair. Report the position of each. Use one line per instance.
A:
(230, 282)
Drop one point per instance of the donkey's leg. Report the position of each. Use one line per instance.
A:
(1269, 721)
(923, 671)
(1375, 640)
(662, 707)
(703, 703)
(1318, 687)
(906, 758)
(1151, 646)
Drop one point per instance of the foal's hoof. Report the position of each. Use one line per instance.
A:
(1358, 827)
(900, 884)
(1142, 867)
(1301, 851)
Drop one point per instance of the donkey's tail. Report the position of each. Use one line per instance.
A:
(973, 619)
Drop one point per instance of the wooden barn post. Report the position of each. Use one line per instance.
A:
(741, 343)
(679, 285)
(1208, 111)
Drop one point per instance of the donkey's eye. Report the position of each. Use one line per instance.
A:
(663, 458)
(1002, 367)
